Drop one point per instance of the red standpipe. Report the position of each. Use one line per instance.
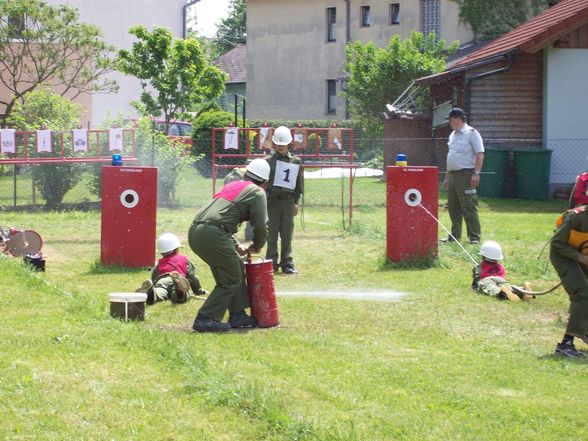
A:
(262, 292)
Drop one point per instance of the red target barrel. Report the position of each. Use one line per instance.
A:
(262, 292)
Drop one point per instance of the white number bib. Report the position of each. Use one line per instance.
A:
(286, 175)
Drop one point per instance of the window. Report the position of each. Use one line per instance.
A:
(394, 13)
(331, 24)
(431, 17)
(174, 130)
(366, 16)
(16, 25)
(331, 96)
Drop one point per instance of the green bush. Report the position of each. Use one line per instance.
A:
(202, 137)
(44, 108)
(153, 148)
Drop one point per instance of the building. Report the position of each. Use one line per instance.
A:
(296, 48)
(233, 63)
(115, 18)
(527, 88)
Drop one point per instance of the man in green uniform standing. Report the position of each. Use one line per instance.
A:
(285, 186)
(569, 256)
(464, 163)
(212, 238)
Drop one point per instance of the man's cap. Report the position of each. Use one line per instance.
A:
(456, 112)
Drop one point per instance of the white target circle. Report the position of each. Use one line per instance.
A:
(129, 198)
(413, 197)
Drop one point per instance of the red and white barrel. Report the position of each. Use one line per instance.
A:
(262, 292)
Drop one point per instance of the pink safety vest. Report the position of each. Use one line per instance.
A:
(232, 190)
(173, 262)
(492, 269)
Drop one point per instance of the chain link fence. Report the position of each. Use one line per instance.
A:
(513, 168)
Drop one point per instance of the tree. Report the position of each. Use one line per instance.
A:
(491, 18)
(44, 108)
(379, 75)
(174, 74)
(41, 44)
(232, 30)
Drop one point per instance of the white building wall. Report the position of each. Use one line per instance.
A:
(115, 17)
(566, 112)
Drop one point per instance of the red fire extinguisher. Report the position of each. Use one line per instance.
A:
(262, 292)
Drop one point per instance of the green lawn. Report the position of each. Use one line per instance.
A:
(442, 364)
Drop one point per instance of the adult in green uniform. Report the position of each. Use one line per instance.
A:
(569, 256)
(464, 162)
(285, 186)
(237, 174)
(212, 238)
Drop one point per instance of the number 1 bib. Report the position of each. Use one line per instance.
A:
(286, 175)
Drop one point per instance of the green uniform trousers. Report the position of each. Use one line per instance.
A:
(575, 281)
(462, 203)
(217, 248)
(280, 223)
(490, 286)
(165, 288)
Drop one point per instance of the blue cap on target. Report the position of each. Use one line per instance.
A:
(117, 159)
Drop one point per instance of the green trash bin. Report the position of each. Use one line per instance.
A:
(532, 166)
(493, 172)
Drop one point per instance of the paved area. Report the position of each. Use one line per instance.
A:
(336, 172)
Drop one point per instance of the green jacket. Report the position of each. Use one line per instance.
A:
(249, 205)
(274, 191)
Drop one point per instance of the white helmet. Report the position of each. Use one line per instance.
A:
(282, 136)
(491, 250)
(168, 242)
(258, 169)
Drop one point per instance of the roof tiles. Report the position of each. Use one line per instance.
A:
(536, 33)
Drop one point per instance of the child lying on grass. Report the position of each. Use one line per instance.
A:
(173, 277)
(490, 275)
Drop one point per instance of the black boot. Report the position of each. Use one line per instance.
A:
(205, 324)
(289, 268)
(242, 320)
(150, 296)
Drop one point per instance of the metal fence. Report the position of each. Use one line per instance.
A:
(523, 168)
(513, 168)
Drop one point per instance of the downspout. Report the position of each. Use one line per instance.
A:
(347, 41)
(347, 21)
(185, 17)
(468, 83)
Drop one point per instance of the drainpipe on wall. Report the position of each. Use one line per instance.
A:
(185, 17)
(347, 21)
(347, 40)
(468, 83)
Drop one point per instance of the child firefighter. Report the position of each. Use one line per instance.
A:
(492, 275)
(174, 276)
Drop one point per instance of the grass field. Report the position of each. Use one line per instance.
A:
(442, 364)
